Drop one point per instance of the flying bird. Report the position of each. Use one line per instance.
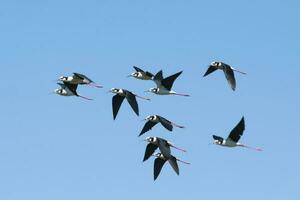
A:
(118, 99)
(161, 160)
(155, 119)
(228, 71)
(234, 137)
(162, 144)
(79, 79)
(164, 85)
(141, 74)
(68, 89)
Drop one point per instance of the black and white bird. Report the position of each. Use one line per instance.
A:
(68, 89)
(162, 144)
(164, 85)
(234, 137)
(141, 74)
(155, 119)
(228, 71)
(79, 79)
(161, 160)
(118, 99)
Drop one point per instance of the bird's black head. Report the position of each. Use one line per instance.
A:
(63, 78)
(114, 90)
(153, 90)
(151, 139)
(216, 64)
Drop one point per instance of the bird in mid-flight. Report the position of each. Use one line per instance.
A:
(79, 79)
(228, 71)
(164, 85)
(234, 137)
(118, 99)
(155, 119)
(141, 74)
(68, 89)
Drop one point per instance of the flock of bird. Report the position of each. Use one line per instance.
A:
(68, 87)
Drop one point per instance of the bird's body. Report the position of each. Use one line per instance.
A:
(68, 89)
(141, 74)
(162, 144)
(155, 119)
(234, 137)
(228, 71)
(118, 99)
(78, 79)
(164, 85)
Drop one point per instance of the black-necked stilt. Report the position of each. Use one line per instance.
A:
(164, 85)
(155, 119)
(78, 79)
(121, 94)
(161, 160)
(141, 74)
(68, 89)
(228, 71)
(162, 144)
(234, 137)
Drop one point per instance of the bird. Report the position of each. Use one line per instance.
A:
(234, 137)
(228, 71)
(162, 144)
(155, 119)
(141, 74)
(79, 79)
(68, 89)
(161, 160)
(121, 94)
(164, 85)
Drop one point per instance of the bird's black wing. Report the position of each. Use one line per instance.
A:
(71, 87)
(166, 123)
(149, 74)
(82, 77)
(63, 86)
(158, 78)
(150, 149)
(138, 69)
(210, 69)
(229, 74)
(116, 104)
(168, 82)
(164, 147)
(218, 138)
(158, 164)
(148, 126)
(237, 132)
(132, 101)
(173, 162)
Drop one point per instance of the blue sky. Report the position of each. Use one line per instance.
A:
(60, 148)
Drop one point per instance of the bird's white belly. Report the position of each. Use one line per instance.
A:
(163, 91)
(229, 143)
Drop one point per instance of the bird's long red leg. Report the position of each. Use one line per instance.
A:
(187, 163)
(239, 71)
(85, 98)
(185, 95)
(253, 148)
(142, 97)
(178, 126)
(178, 148)
(95, 85)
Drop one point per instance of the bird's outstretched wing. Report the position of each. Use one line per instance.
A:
(158, 165)
(166, 123)
(173, 162)
(148, 126)
(138, 69)
(229, 74)
(69, 86)
(150, 149)
(168, 82)
(158, 78)
(218, 138)
(210, 69)
(116, 104)
(132, 101)
(237, 132)
(164, 147)
(82, 77)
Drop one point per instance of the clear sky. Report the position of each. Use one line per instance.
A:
(60, 148)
